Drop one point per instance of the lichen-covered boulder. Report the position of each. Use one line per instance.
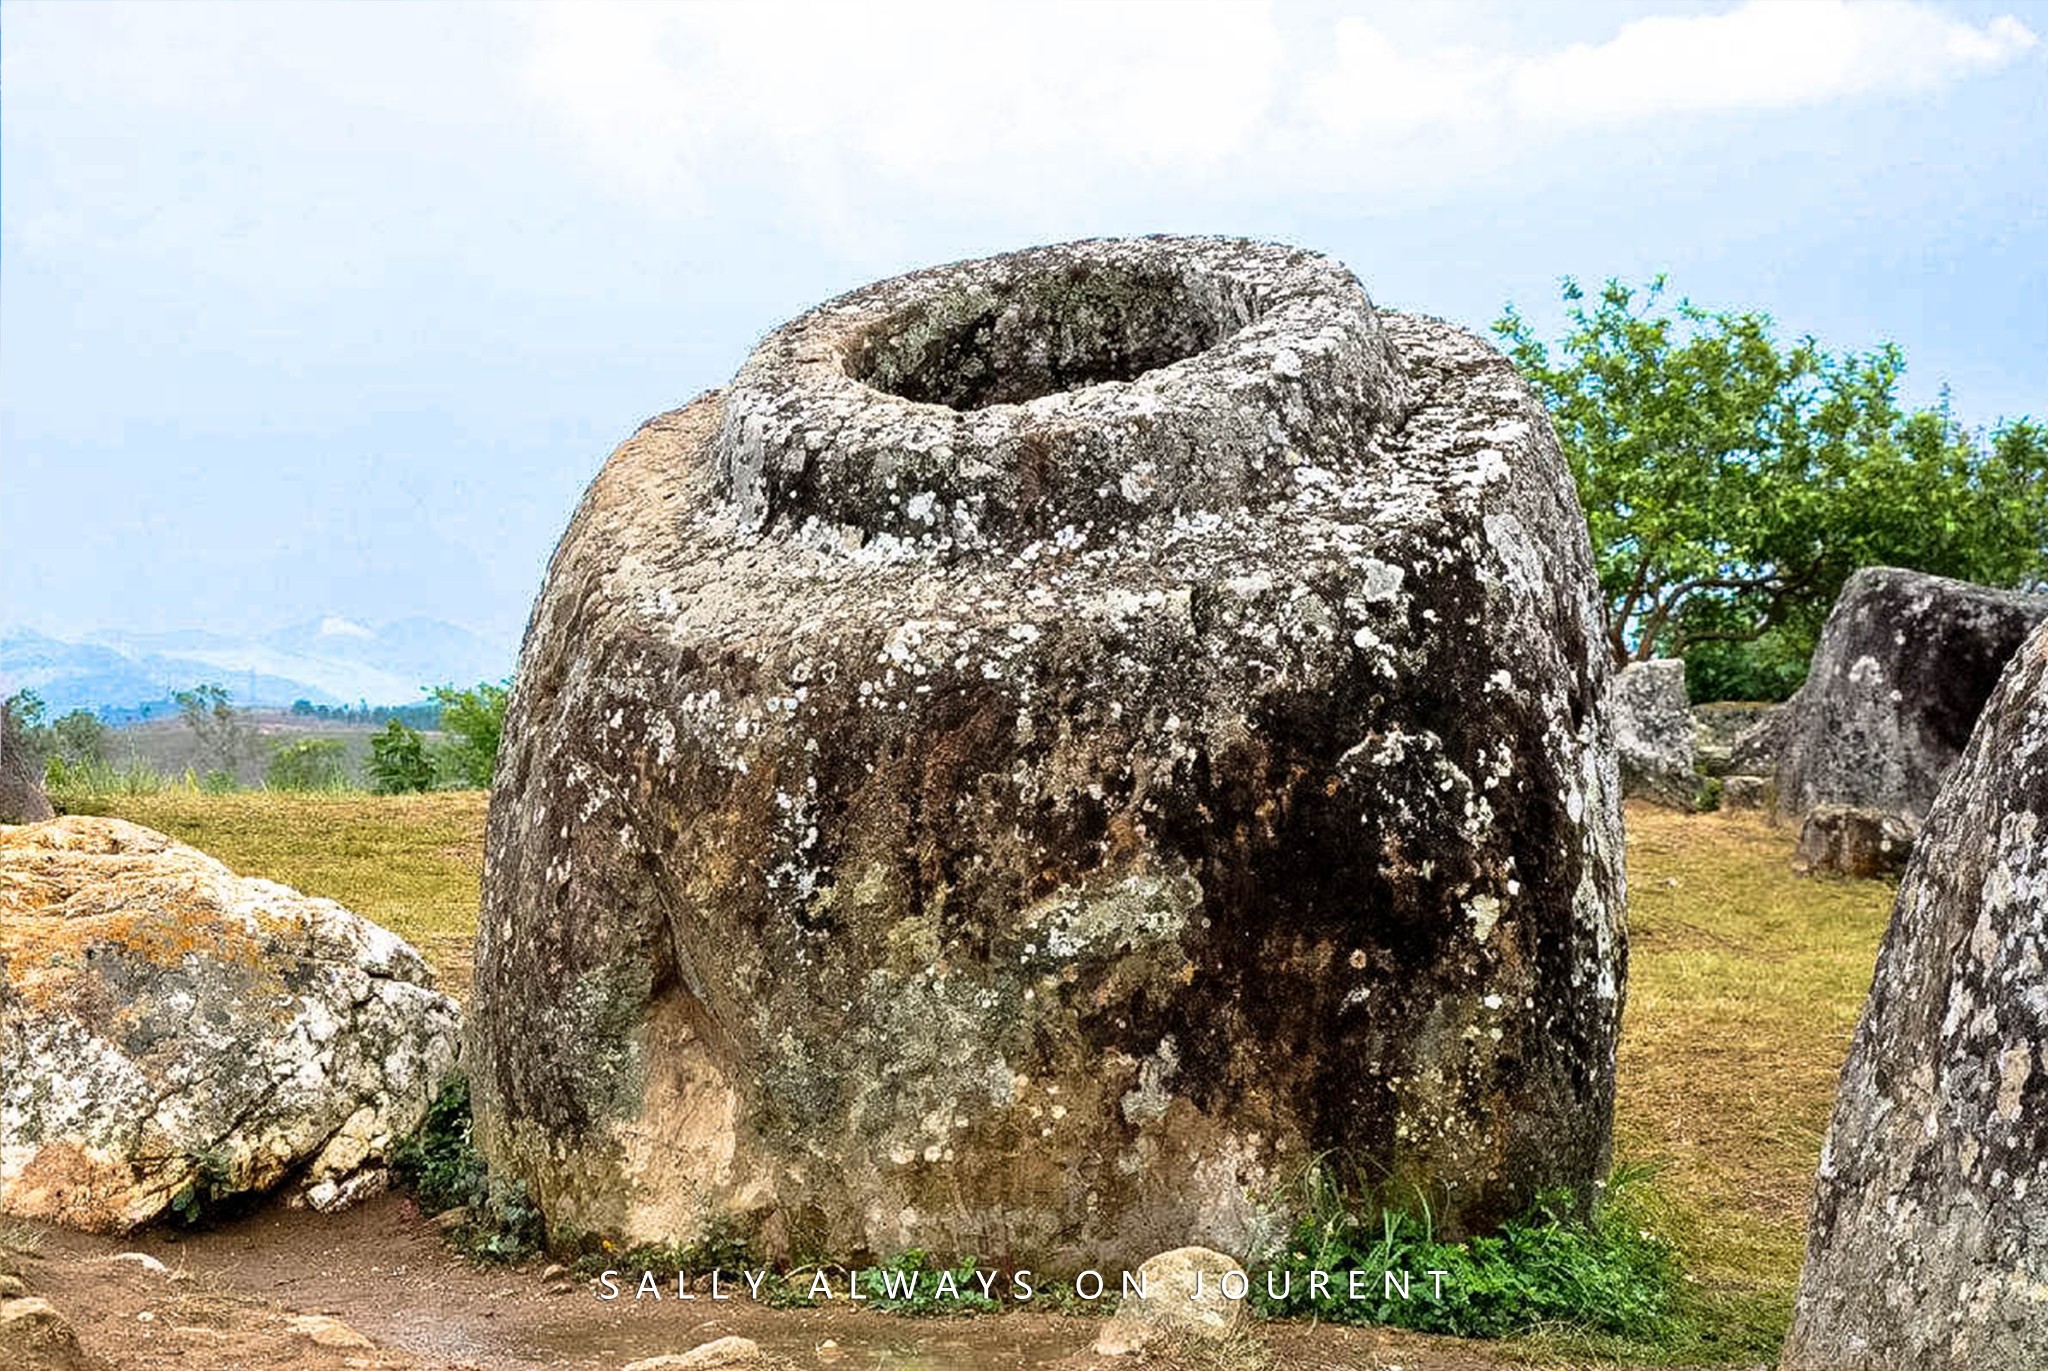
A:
(1929, 1242)
(1062, 741)
(1653, 734)
(172, 1033)
(1904, 664)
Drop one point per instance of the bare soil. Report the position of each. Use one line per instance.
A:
(230, 1295)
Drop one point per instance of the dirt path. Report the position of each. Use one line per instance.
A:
(261, 1293)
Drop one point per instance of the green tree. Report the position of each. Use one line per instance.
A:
(1731, 483)
(308, 764)
(79, 739)
(476, 720)
(224, 736)
(25, 728)
(399, 762)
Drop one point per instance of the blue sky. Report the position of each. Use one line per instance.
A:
(336, 308)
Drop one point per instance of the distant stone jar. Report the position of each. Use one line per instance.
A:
(1058, 744)
(1901, 672)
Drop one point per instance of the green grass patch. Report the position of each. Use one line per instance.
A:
(1548, 1268)
(916, 1283)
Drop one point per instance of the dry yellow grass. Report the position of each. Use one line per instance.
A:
(1745, 984)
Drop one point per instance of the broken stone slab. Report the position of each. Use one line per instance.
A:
(1754, 752)
(174, 1032)
(1722, 725)
(1842, 840)
(1190, 1292)
(1929, 1236)
(1060, 742)
(1903, 667)
(1747, 792)
(1654, 734)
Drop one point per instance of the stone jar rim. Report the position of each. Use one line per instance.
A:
(986, 402)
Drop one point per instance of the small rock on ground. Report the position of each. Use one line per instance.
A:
(722, 1354)
(1183, 1295)
(324, 1330)
(35, 1337)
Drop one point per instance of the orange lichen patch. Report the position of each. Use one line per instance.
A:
(73, 888)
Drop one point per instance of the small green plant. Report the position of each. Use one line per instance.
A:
(437, 1160)
(211, 1182)
(219, 783)
(1709, 798)
(723, 1249)
(440, 1163)
(1546, 1269)
(310, 764)
(913, 1283)
(398, 761)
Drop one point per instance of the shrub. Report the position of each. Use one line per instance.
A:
(398, 761)
(475, 719)
(72, 783)
(308, 764)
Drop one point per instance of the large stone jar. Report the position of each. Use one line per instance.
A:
(1059, 743)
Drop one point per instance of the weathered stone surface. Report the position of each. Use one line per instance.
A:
(22, 800)
(1717, 727)
(1653, 734)
(1059, 743)
(1747, 792)
(1904, 664)
(1842, 840)
(1755, 749)
(1188, 1292)
(171, 1028)
(35, 1337)
(1929, 1244)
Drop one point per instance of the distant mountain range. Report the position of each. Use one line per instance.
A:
(330, 661)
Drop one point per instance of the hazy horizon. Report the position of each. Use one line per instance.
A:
(334, 310)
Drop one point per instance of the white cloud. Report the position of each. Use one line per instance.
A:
(997, 105)
(941, 94)
(1767, 54)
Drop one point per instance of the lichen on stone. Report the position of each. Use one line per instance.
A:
(1069, 737)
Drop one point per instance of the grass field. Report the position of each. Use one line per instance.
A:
(1744, 987)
